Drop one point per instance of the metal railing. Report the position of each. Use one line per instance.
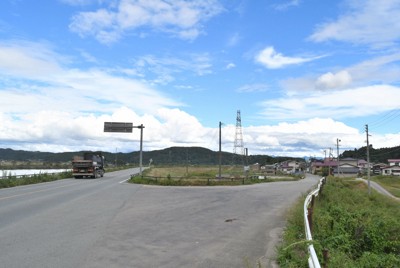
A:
(313, 261)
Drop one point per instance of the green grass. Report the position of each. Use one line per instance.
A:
(200, 176)
(357, 229)
(390, 183)
(12, 181)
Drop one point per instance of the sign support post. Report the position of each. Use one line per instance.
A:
(122, 127)
(141, 148)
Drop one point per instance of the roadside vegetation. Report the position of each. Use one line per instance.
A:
(357, 230)
(390, 183)
(9, 180)
(12, 181)
(204, 176)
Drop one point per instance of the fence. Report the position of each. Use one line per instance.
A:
(308, 222)
(208, 180)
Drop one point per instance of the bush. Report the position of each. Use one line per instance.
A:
(357, 229)
(37, 178)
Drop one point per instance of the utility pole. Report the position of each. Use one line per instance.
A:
(368, 167)
(220, 152)
(141, 148)
(115, 156)
(330, 157)
(338, 161)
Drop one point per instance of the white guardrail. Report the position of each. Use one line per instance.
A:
(313, 259)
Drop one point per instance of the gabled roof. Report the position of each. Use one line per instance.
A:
(346, 165)
(391, 167)
(348, 159)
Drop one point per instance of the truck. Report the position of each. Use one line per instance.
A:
(89, 165)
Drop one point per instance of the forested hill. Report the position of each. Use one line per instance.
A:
(376, 155)
(173, 156)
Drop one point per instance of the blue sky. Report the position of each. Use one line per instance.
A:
(302, 72)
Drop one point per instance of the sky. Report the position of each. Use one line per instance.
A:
(303, 74)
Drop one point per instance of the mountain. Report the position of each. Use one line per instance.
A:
(168, 156)
(375, 155)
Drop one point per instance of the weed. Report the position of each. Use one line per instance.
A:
(357, 229)
(12, 181)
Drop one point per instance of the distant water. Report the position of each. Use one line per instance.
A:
(18, 172)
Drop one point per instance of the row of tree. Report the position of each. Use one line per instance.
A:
(168, 156)
(375, 155)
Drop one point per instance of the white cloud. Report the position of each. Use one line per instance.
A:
(230, 66)
(179, 18)
(34, 78)
(253, 88)
(28, 59)
(356, 102)
(366, 22)
(337, 80)
(379, 70)
(234, 40)
(62, 131)
(166, 68)
(286, 5)
(57, 131)
(80, 2)
(274, 60)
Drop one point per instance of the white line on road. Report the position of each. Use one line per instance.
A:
(125, 180)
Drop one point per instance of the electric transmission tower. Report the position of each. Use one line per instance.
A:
(238, 148)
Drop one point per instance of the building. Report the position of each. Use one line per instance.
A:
(291, 167)
(323, 166)
(348, 167)
(393, 168)
(268, 169)
(377, 168)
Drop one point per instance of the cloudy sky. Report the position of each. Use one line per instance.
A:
(303, 73)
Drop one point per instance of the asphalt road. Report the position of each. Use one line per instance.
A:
(106, 223)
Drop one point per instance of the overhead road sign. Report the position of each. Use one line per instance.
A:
(118, 127)
(125, 127)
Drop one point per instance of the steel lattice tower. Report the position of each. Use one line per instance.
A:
(238, 148)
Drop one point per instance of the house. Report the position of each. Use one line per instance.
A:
(291, 167)
(269, 169)
(349, 161)
(348, 167)
(393, 168)
(346, 170)
(255, 167)
(377, 168)
(394, 162)
(317, 167)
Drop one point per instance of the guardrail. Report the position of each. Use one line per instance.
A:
(313, 261)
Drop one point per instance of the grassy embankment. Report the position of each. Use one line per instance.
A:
(202, 176)
(390, 183)
(358, 230)
(12, 181)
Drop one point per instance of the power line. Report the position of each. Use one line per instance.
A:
(386, 118)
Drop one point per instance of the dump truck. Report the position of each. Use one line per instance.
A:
(90, 165)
